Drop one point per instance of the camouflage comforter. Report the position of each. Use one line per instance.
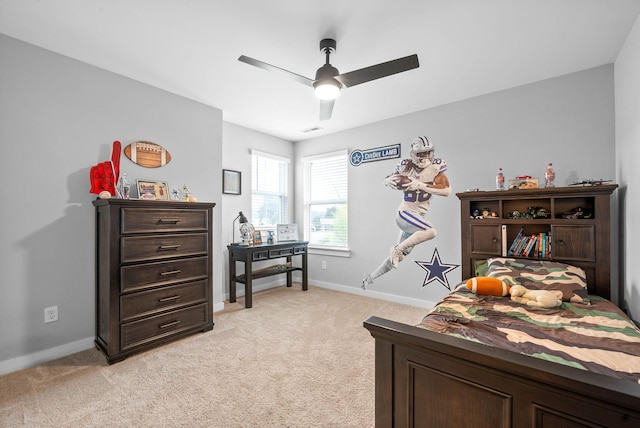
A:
(596, 337)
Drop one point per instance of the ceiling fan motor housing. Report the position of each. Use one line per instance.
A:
(327, 44)
(327, 71)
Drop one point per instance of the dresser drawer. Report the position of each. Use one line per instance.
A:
(152, 220)
(149, 302)
(160, 326)
(158, 247)
(147, 275)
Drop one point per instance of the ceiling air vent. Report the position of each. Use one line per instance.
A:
(315, 128)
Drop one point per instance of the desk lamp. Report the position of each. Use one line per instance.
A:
(242, 219)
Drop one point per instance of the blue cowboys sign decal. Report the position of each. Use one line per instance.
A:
(371, 155)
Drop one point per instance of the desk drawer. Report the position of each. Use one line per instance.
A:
(147, 275)
(149, 302)
(149, 329)
(281, 252)
(299, 250)
(158, 247)
(152, 220)
(260, 255)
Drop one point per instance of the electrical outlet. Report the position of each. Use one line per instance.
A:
(324, 264)
(50, 314)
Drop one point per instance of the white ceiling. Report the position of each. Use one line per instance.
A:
(190, 47)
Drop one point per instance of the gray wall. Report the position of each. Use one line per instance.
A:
(627, 70)
(568, 120)
(58, 117)
(236, 154)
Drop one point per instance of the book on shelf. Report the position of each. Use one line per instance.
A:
(530, 244)
(515, 242)
(503, 241)
(524, 240)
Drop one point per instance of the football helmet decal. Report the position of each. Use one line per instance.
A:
(421, 152)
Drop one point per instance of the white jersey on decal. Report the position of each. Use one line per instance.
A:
(418, 201)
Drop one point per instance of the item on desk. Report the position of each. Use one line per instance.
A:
(247, 232)
(287, 232)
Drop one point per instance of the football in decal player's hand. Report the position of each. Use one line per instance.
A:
(401, 181)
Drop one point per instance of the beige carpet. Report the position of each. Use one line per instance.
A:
(296, 359)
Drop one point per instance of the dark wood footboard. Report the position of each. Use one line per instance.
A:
(427, 379)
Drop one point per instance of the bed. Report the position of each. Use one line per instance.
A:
(484, 361)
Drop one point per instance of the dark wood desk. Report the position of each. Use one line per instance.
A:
(254, 253)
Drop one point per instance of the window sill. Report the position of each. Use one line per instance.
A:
(330, 251)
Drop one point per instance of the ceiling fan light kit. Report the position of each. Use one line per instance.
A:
(327, 89)
(329, 81)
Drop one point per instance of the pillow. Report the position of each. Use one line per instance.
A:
(487, 286)
(481, 267)
(541, 275)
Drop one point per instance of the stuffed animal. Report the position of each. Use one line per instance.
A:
(537, 298)
(487, 286)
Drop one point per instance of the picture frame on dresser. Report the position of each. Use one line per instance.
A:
(153, 190)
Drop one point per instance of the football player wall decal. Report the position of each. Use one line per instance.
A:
(418, 178)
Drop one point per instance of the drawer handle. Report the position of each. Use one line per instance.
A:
(168, 221)
(170, 272)
(169, 247)
(170, 298)
(169, 324)
(560, 242)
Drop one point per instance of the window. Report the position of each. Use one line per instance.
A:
(269, 190)
(325, 200)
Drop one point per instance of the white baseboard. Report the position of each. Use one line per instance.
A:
(376, 295)
(45, 355)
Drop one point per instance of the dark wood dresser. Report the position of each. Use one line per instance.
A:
(153, 273)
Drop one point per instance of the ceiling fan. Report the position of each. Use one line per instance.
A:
(329, 81)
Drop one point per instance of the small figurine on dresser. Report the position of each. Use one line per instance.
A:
(187, 196)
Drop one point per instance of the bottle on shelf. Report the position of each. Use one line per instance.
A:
(500, 180)
(549, 176)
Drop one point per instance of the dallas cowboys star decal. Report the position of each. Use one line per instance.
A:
(436, 270)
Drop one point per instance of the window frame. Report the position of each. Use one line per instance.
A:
(339, 250)
(284, 196)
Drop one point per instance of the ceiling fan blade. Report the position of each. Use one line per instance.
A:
(374, 72)
(326, 107)
(269, 67)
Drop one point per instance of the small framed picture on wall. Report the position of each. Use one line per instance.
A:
(231, 182)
